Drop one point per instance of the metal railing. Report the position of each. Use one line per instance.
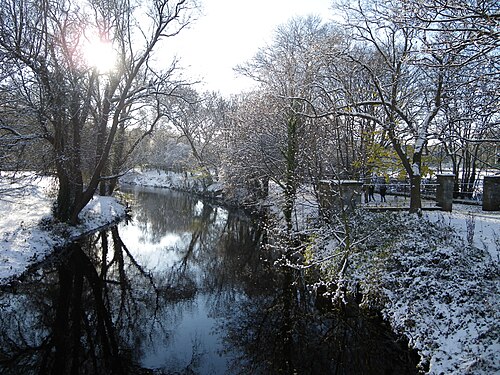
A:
(463, 191)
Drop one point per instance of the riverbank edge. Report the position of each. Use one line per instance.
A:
(214, 195)
(37, 241)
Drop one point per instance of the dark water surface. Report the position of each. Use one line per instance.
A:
(184, 287)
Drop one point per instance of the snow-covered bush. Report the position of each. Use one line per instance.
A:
(432, 284)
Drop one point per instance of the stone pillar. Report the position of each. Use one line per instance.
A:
(491, 193)
(444, 191)
(351, 192)
(336, 196)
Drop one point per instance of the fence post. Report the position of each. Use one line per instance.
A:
(444, 191)
(491, 193)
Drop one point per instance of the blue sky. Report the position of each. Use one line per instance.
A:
(229, 32)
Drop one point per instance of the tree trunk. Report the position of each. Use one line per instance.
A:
(69, 194)
(415, 195)
(290, 173)
(67, 146)
(62, 207)
(416, 182)
(413, 171)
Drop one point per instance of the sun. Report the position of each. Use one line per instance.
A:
(100, 54)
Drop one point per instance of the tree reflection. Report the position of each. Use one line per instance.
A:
(95, 309)
(101, 308)
(72, 326)
(280, 331)
(159, 212)
(72, 309)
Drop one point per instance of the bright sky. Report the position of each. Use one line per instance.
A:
(229, 32)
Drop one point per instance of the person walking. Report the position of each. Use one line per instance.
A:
(383, 192)
(371, 192)
(365, 192)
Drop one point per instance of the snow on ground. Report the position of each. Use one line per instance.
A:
(442, 288)
(465, 311)
(23, 241)
(439, 286)
(436, 280)
(162, 179)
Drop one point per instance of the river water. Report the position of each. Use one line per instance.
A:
(183, 287)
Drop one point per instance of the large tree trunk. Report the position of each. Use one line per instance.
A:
(415, 195)
(69, 198)
(69, 174)
(62, 207)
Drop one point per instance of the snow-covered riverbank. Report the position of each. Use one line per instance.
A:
(437, 283)
(24, 241)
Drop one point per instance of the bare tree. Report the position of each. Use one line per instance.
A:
(165, 151)
(468, 32)
(42, 45)
(251, 156)
(287, 73)
(199, 119)
(404, 80)
(468, 129)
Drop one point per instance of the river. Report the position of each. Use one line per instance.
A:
(183, 287)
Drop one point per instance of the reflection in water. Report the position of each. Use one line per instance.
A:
(279, 332)
(180, 289)
(58, 321)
